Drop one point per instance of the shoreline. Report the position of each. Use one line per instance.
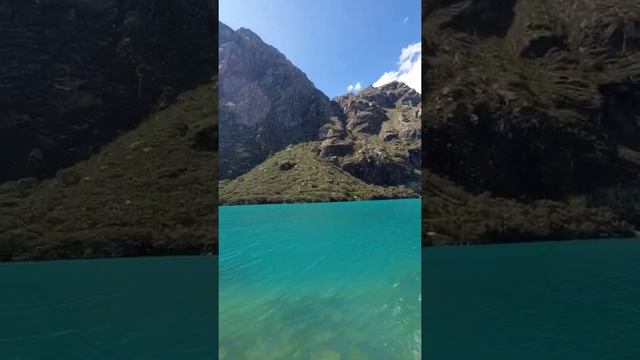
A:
(318, 202)
(78, 259)
(531, 242)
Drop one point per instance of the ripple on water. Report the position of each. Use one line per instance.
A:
(327, 281)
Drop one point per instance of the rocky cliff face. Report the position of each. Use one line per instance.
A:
(376, 135)
(75, 73)
(532, 100)
(266, 103)
(368, 149)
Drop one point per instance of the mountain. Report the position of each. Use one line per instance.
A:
(108, 128)
(533, 109)
(77, 73)
(266, 103)
(151, 191)
(271, 115)
(378, 139)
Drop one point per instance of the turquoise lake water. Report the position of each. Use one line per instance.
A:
(315, 300)
(139, 308)
(548, 300)
(320, 281)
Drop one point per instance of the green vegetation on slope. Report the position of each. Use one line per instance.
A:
(298, 174)
(453, 216)
(150, 192)
(532, 132)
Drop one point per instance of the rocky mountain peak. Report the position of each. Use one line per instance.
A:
(394, 86)
(386, 95)
(266, 103)
(225, 34)
(376, 135)
(248, 34)
(366, 111)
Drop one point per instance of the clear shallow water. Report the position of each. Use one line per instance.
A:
(320, 281)
(139, 308)
(551, 300)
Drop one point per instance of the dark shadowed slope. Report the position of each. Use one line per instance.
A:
(534, 103)
(76, 73)
(150, 192)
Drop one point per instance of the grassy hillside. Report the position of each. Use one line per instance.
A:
(453, 216)
(531, 132)
(150, 192)
(298, 174)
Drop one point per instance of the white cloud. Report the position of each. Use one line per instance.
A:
(354, 88)
(405, 20)
(409, 69)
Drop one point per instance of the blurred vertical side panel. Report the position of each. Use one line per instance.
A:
(108, 149)
(531, 135)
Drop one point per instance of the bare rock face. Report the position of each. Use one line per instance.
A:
(266, 103)
(541, 102)
(378, 136)
(76, 73)
(337, 142)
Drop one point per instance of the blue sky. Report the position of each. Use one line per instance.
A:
(337, 43)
